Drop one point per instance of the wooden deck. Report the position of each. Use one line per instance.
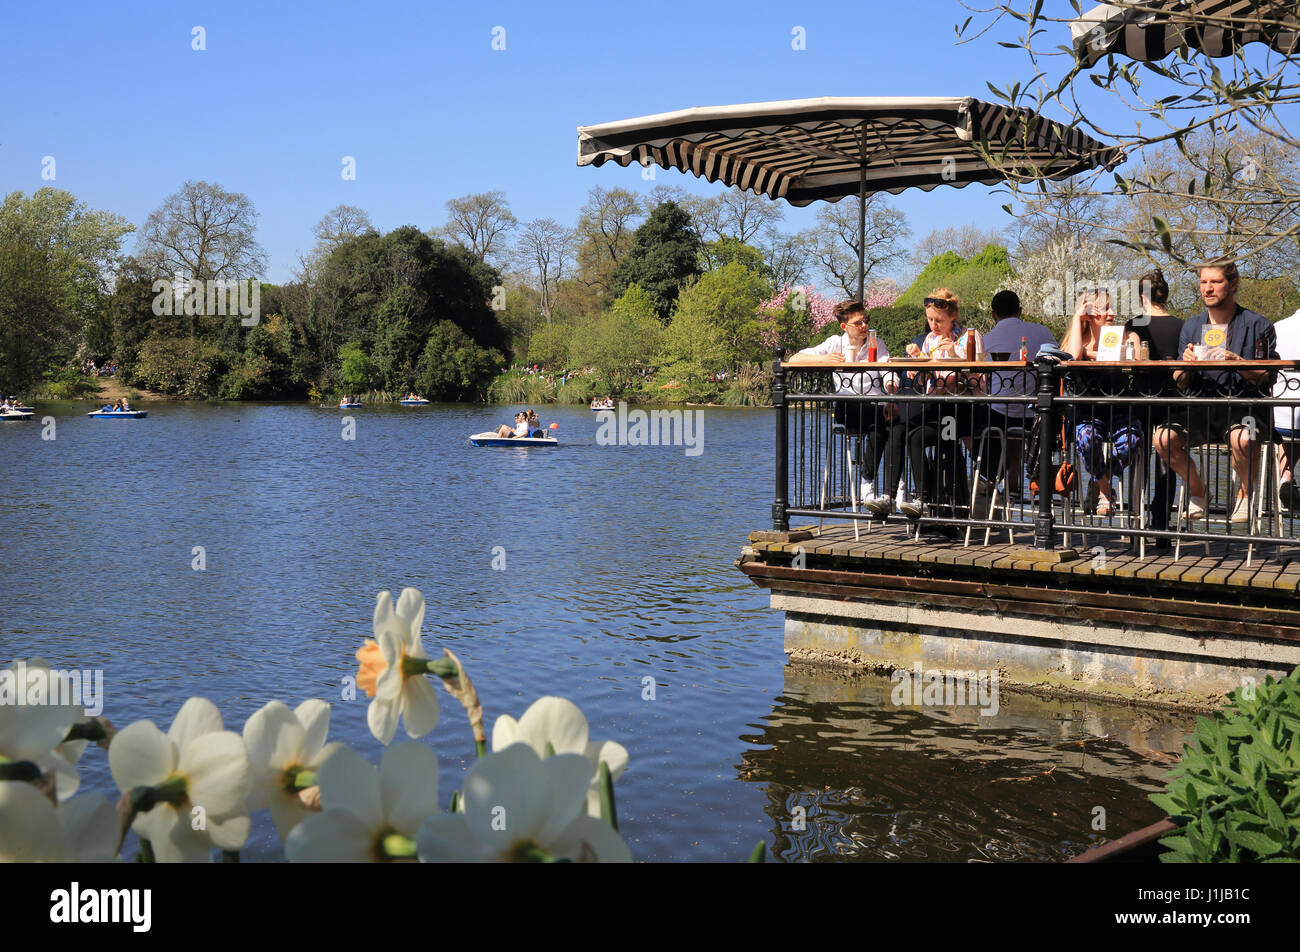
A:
(1274, 570)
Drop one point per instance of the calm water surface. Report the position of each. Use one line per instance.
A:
(618, 568)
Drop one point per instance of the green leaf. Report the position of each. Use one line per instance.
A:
(1257, 843)
(760, 853)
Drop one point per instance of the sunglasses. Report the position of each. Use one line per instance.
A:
(855, 323)
(942, 304)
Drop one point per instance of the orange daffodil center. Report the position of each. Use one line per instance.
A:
(372, 662)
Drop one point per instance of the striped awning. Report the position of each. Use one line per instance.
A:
(808, 150)
(1149, 30)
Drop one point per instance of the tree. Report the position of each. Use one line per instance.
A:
(604, 234)
(744, 215)
(547, 247)
(834, 242)
(56, 259)
(722, 251)
(664, 254)
(729, 298)
(965, 240)
(974, 281)
(340, 224)
(1191, 100)
(1048, 281)
(480, 222)
(788, 257)
(202, 232)
(622, 343)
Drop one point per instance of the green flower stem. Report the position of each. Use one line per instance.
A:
(299, 778)
(760, 853)
(173, 790)
(548, 751)
(398, 846)
(455, 802)
(480, 748)
(608, 811)
(444, 668)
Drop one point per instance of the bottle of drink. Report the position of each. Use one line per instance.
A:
(1024, 349)
(970, 345)
(1259, 348)
(871, 346)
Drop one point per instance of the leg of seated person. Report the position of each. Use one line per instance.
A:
(1171, 446)
(1245, 457)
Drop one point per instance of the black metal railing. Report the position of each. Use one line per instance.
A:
(977, 449)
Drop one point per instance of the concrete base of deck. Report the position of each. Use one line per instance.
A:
(1158, 632)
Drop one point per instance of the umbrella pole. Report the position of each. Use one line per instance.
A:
(862, 214)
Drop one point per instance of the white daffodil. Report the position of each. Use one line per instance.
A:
(32, 727)
(368, 815)
(285, 749)
(394, 669)
(559, 722)
(521, 808)
(33, 830)
(199, 781)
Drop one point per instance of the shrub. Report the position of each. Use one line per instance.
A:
(68, 384)
(1235, 794)
(181, 366)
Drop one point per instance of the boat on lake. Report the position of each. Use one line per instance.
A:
(414, 403)
(118, 414)
(350, 406)
(11, 415)
(602, 406)
(492, 439)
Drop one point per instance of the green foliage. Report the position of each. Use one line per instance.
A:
(622, 344)
(897, 325)
(53, 250)
(265, 368)
(181, 366)
(974, 281)
(728, 300)
(1236, 792)
(354, 372)
(549, 346)
(750, 387)
(664, 256)
(68, 383)
(454, 366)
(721, 252)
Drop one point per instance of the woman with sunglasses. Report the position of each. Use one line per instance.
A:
(946, 340)
(1098, 424)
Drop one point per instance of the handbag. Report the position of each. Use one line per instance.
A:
(1066, 476)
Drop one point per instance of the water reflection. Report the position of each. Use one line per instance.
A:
(876, 781)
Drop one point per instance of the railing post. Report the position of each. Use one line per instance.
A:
(1044, 536)
(780, 520)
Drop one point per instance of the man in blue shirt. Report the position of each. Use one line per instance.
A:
(1245, 334)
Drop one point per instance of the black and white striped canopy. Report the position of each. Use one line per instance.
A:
(1149, 30)
(808, 150)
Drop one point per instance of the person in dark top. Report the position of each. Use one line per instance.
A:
(1245, 335)
(1160, 331)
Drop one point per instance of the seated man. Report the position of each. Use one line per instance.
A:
(1008, 334)
(877, 421)
(1246, 334)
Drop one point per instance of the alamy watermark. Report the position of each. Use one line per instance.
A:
(37, 685)
(652, 428)
(933, 687)
(216, 297)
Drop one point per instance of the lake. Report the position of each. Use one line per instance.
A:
(617, 568)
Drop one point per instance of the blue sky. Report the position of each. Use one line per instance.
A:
(415, 92)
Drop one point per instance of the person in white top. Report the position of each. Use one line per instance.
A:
(1286, 420)
(879, 422)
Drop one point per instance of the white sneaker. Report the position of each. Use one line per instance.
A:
(1240, 510)
(910, 506)
(1196, 508)
(866, 491)
(880, 506)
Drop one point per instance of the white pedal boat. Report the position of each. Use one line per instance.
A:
(491, 439)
